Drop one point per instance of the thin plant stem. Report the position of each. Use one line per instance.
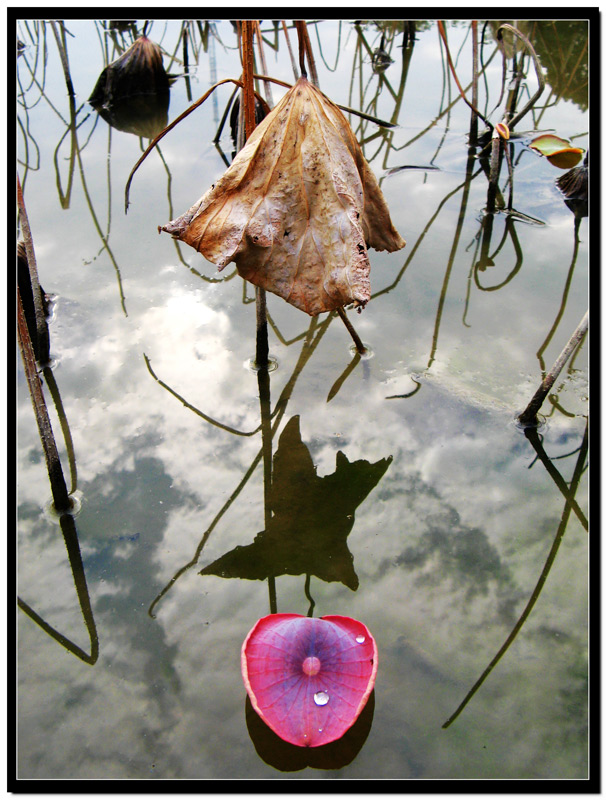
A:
(529, 416)
(538, 71)
(42, 334)
(61, 499)
(292, 56)
(357, 341)
(70, 537)
(248, 29)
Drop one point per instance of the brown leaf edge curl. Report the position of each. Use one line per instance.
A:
(297, 209)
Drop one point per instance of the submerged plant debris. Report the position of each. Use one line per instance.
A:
(297, 209)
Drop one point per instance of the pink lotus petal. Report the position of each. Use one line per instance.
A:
(308, 678)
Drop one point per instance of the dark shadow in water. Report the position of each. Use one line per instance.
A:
(144, 115)
(311, 518)
(289, 758)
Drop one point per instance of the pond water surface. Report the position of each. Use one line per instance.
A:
(410, 498)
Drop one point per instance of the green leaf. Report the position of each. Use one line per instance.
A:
(560, 152)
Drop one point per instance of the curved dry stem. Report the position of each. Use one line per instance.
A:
(169, 128)
(454, 75)
(538, 70)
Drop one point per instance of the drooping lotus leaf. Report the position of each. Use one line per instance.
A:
(132, 93)
(297, 209)
(312, 518)
(139, 70)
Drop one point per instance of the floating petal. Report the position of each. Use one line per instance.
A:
(308, 678)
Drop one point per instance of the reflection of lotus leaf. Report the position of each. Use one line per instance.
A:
(312, 518)
(144, 115)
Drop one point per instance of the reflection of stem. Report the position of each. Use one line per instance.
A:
(496, 156)
(473, 128)
(309, 347)
(63, 56)
(423, 234)
(442, 32)
(443, 113)
(487, 233)
(533, 437)
(343, 377)
(453, 250)
(102, 236)
(469, 276)
(65, 198)
(266, 435)
(529, 415)
(312, 602)
(70, 537)
(408, 394)
(560, 313)
(538, 71)
(49, 377)
(193, 408)
(539, 586)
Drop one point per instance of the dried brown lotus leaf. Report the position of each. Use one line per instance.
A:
(297, 208)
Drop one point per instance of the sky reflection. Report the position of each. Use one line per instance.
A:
(447, 544)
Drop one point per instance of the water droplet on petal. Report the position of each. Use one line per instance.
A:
(321, 698)
(360, 639)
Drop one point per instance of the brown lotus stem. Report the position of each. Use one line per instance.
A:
(299, 26)
(442, 32)
(529, 416)
(262, 349)
(60, 39)
(357, 341)
(473, 130)
(538, 71)
(493, 180)
(306, 52)
(247, 76)
(263, 64)
(248, 30)
(292, 57)
(61, 498)
(42, 335)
